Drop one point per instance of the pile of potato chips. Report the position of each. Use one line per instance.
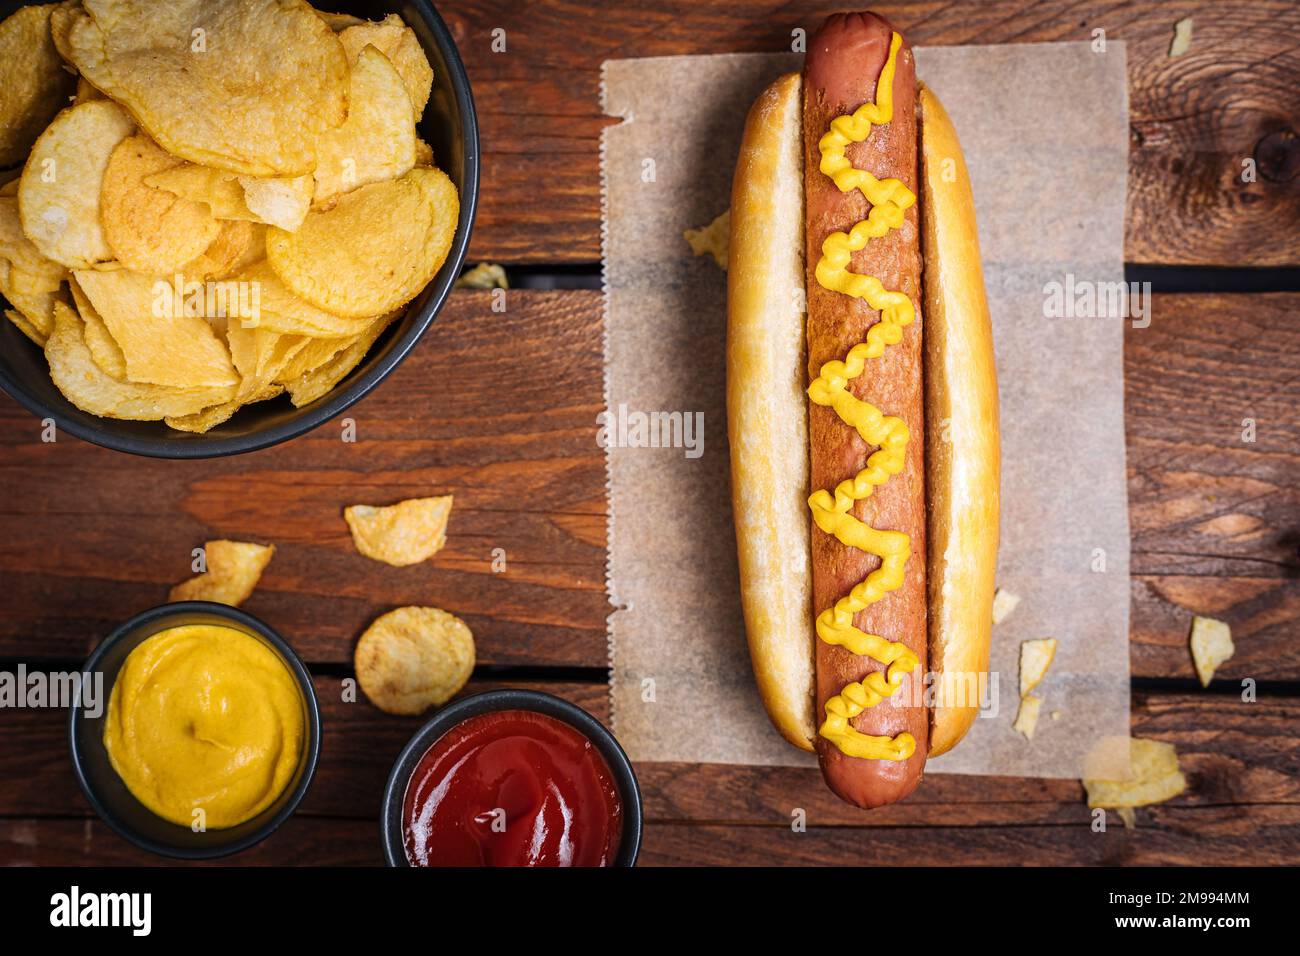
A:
(222, 200)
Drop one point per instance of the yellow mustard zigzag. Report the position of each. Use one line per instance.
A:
(889, 199)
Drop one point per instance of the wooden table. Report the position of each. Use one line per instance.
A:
(91, 537)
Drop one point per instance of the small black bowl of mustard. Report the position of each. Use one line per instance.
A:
(203, 734)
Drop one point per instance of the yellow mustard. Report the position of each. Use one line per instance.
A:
(205, 718)
(889, 199)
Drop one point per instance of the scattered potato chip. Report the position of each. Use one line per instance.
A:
(375, 250)
(148, 229)
(162, 346)
(58, 197)
(1027, 716)
(414, 658)
(283, 203)
(243, 85)
(233, 570)
(34, 86)
(377, 142)
(1035, 658)
(319, 381)
(484, 276)
(1154, 776)
(398, 42)
(1211, 644)
(406, 533)
(1182, 41)
(713, 239)
(85, 385)
(1004, 602)
(1128, 817)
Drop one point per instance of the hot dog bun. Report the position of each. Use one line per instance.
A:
(768, 417)
(962, 455)
(767, 410)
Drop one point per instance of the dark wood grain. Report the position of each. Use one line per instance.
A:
(1165, 836)
(92, 536)
(1194, 118)
(1215, 520)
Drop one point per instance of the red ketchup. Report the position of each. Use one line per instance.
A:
(512, 788)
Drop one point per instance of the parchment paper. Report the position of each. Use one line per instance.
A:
(1045, 131)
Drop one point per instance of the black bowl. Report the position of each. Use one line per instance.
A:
(451, 128)
(109, 796)
(629, 790)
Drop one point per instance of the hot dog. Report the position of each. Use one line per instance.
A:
(861, 394)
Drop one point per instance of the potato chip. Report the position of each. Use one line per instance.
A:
(414, 658)
(26, 327)
(86, 386)
(339, 21)
(58, 197)
(162, 343)
(103, 347)
(233, 570)
(220, 190)
(1035, 658)
(243, 85)
(314, 354)
(22, 252)
(408, 532)
(30, 297)
(1154, 776)
(150, 230)
(398, 42)
(1027, 716)
(378, 140)
(34, 86)
(210, 418)
(1004, 602)
(319, 381)
(61, 18)
(283, 203)
(375, 250)
(283, 312)
(238, 245)
(1211, 643)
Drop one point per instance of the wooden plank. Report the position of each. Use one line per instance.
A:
(1194, 118)
(1231, 752)
(94, 536)
(1211, 836)
(1164, 837)
(301, 841)
(1213, 517)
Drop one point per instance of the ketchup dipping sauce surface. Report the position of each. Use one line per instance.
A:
(512, 788)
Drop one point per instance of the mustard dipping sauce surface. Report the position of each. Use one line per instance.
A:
(205, 717)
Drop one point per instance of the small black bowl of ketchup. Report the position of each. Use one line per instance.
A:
(512, 778)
